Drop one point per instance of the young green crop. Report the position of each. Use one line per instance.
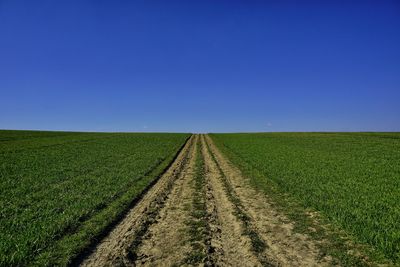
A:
(353, 179)
(60, 190)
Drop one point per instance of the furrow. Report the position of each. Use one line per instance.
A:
(166, 241)
(273, 239)
(234, 248)
(120, 246)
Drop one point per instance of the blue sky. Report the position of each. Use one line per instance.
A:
(200, 66)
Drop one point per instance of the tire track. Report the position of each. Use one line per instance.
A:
(118, 248)
(203, 212)
(234, 247)
(166, 241)
(262, 223)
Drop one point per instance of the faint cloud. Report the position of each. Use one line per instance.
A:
(269, 124)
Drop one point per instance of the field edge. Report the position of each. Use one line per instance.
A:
(332, 240)
(72, 248)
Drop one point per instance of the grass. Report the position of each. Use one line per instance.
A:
(197, 225)
(350, 179)
(257, 244)
(60, 190)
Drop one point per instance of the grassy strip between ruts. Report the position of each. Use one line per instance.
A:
(72, 246)
(333, 240)
(257, 244)
(198, 230)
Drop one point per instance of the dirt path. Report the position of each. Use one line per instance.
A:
(236, 248)
(115, 249)
(166, 241)
(273, 240)
(202, 211)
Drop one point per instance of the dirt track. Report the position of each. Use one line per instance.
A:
(202, 211)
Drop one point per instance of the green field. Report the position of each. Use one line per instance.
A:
(59, 190)
(352, 179)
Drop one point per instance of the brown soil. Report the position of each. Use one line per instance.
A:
(283, 247)
(115, 249)
(241, 227)
(166, 242)
(236, 247)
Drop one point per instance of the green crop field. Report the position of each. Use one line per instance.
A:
(352, 179)
(59, 190)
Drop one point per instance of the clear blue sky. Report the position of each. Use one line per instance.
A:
(200, 66)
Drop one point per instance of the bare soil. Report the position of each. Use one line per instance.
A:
(116, 248)
(282, 247)
(240, 226)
